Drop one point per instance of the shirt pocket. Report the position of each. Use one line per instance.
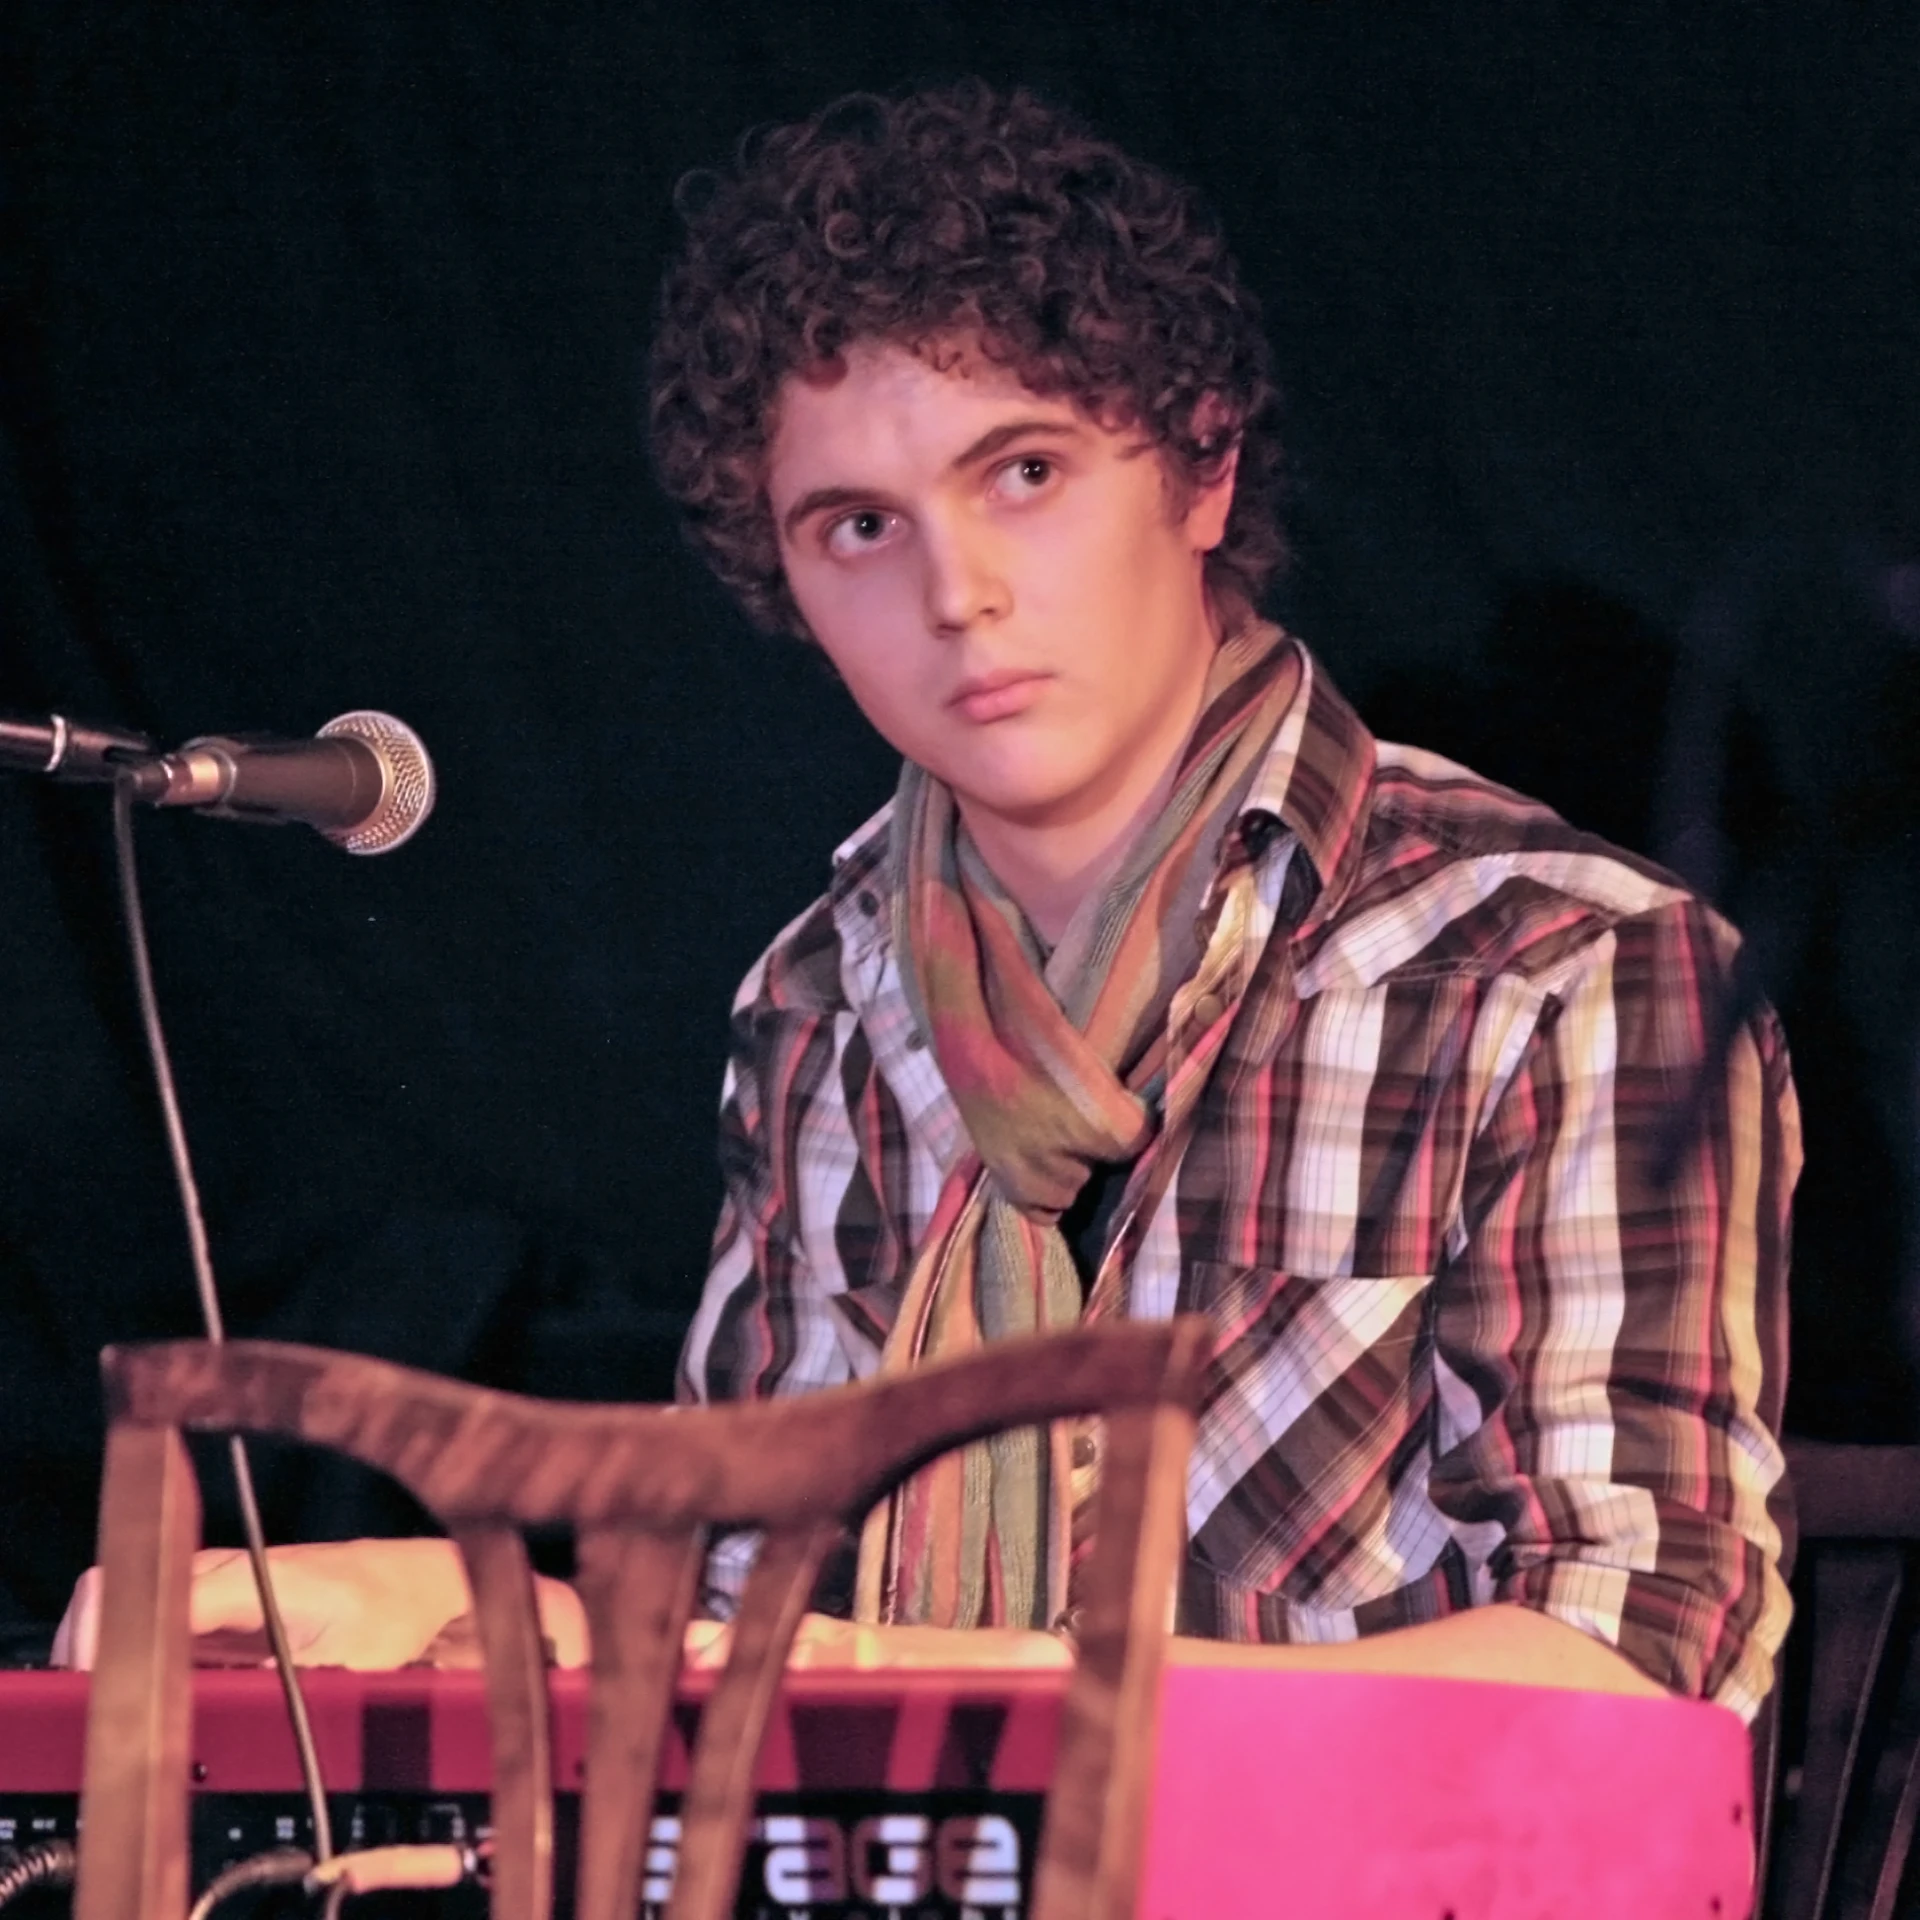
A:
(1314, 1414)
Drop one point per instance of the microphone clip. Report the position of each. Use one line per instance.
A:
(71, 750)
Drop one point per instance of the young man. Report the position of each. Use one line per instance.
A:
(1162, 986)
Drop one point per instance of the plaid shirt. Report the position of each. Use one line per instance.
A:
(1474, 1344)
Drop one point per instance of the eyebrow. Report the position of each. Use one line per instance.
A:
(994, 440)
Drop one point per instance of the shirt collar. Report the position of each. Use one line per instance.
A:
(1317, 781)
(859, 896)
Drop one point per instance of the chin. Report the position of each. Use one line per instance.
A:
(1026, 804)
(1022, 786)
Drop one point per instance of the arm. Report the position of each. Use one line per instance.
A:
(1609, 1351)
(1610, 1341)
(1499, 1642)
(764, 1325)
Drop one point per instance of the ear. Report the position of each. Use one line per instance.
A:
(1210, 503)
(1211, 500)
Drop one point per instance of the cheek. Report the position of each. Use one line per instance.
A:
(853, 601)
(861, 642)
(871, 650)
(1127, 538)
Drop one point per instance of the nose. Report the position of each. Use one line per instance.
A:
(965, 581)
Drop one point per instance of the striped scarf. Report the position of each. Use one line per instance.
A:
(1057, 1064)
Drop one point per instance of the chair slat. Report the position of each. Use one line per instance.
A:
(719, 1797)
(1090, 1849)
(134, 1858)
(1856, 1590)
(638, 1588)
(508, 1620)
(1895, 1844)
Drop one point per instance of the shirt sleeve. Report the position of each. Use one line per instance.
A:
(1610, 1341)
(763, 1326)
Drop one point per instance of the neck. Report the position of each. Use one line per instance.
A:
(1052, 865)
(1051, 869)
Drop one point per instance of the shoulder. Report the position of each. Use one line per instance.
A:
(803, 972)
(1458, 874)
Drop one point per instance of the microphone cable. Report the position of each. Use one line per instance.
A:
(189, 1191)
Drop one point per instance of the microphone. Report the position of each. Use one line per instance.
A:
(364, 781)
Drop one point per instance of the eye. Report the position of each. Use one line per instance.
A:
(856, 532)
(1024, 476)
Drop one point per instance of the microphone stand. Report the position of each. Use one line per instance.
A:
(367, 792)
(123, 797)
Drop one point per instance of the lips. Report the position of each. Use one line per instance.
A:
(997, 696)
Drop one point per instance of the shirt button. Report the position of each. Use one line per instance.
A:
(1257, 830)
(867, 902)
(915, 1040)
(1084, 1452)
(1208, 1008)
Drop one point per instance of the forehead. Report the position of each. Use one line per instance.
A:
(883, 402)
(946, 362)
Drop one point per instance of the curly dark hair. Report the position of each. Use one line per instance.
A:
(957, 211)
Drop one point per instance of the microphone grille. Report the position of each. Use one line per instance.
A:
(407, 786)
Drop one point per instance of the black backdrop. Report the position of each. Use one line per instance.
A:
(320, 342)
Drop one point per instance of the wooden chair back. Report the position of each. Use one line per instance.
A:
(641, 1487)
(1838, 1747)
